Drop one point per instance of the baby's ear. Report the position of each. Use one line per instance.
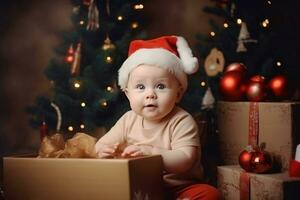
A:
(125, 90)
(179, 93)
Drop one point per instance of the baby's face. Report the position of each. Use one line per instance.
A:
(152, 92)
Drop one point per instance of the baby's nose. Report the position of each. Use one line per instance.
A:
(150, 94)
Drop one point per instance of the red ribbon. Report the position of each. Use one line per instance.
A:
(253, 124)
(253, 141)
(244, 186)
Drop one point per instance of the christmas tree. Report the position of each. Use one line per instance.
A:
(84, 72)
(260, 34)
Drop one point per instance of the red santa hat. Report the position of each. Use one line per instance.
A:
(169, 52)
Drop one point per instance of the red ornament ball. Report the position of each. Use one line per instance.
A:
(240, 67)
(69, 59)
(232, 86)
(261, 161)
(278, 86)
(255, 160)
(245, 160)
(256, 90)
(257, 78)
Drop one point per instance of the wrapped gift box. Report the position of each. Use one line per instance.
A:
(277, 186)
(61, 179)
(278, 127)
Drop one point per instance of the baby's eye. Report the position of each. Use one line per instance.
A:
(140, 86)
(161, 86)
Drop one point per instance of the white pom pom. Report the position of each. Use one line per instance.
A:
(190, 63)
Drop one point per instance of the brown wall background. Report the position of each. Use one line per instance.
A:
(30, 32)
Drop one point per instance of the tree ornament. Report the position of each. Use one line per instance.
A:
(245, 158)
(244, 37)
(256, 89)
(233, 86)
(58, 114)
(87, 2)
(43, 130)
(75, 68)
(256, 159)
(208, 99)
(70, 54)
(214, 62)
(261, 161)
(93, 17)
(278, 86)
(108, 45)
(240, 67)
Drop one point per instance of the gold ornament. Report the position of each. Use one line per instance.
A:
(214, 62)
(108, 45)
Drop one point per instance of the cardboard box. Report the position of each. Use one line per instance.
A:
(279, 128)
(277, 186)
(61, 179)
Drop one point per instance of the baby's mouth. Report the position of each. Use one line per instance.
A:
(150, 106)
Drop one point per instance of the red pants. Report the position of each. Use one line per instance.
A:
(198, 192)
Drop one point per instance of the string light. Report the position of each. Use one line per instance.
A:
(265, 23)
(81, 22)
(278, 63)
(134, 25)
(202, 83)
(70, 128)
(82, 104)
(269, 2)
(103, 103)
(239, 21)
(77, 85)
(225, 25)
(138, 6)
(120, 18)
(212, 33)
(109, 88)
(108, 59)
(82, 126)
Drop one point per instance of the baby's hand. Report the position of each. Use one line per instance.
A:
(106, 151)
(132, 151)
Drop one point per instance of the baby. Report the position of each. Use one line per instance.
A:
(154, 78)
